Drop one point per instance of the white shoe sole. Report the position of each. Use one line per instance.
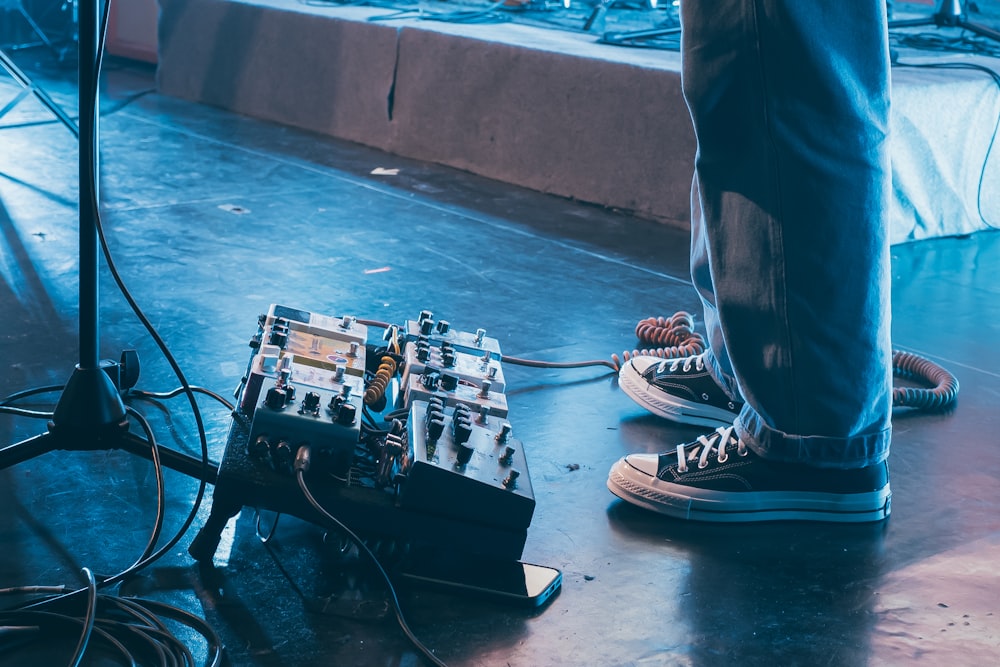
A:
(697, 504)
(671, 407)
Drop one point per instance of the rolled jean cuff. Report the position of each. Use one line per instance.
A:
(857, 451)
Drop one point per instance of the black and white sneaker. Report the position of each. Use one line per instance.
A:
(717, 478)
(680, 390)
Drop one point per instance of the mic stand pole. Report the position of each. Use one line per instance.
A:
(90, 414)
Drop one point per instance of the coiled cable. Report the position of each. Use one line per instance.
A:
(676, 338)
(376, 388)
(943, 391)
(673, 337)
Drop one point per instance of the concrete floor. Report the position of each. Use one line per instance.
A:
(211, 217)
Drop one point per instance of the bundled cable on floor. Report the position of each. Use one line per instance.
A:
(129, 628)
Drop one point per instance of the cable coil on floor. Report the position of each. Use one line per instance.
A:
(674, 337)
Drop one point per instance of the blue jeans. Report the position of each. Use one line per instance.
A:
(790, 250)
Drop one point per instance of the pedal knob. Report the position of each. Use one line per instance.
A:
(504, 434)
(430, 380)
(427, 327)
(275, 398)
(508, 455)
(311, 402)
(423, 352)
(447, 358)
(449, 382)
(484, 392)
(443, 326)
(435, 427)
(463, 431)
(347, 414)
(511, 480)
(465, 453)
(278, 337)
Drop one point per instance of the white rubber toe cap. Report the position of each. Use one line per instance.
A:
(640, 364)
(647, 464)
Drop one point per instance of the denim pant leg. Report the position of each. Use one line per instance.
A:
(790, 253)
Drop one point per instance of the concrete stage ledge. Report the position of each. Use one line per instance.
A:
(549, 110)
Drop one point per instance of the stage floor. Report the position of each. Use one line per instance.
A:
(211, 216)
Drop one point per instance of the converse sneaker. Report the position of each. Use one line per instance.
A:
(678, 389)
(716, 478)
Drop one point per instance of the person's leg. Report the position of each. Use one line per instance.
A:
(790, 104)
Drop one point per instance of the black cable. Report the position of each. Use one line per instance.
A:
(155, 633)
(963, 42)
(388, 4)
(992, 73)
(160, 485)
(26, 393)
(131, 626)
(158, 340)
(558, 364)
(24, 412)
(302, 463)
(155, 533)
(265, 539)
(88, 619)
(485, 15)
(180, 390)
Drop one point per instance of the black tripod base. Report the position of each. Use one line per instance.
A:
(90, 415)
(948, 15)
(119, 438)
(89, 402)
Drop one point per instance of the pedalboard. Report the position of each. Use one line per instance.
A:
(410, 439)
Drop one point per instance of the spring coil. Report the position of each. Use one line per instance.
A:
(376, 388)
(944, 385)
(674, 338)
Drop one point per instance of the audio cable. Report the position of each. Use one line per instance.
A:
(303, 461)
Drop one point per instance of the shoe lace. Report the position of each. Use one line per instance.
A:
(685, 363)
(702, 448)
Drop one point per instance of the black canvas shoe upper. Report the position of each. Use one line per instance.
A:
(720, 461)
(689, 380)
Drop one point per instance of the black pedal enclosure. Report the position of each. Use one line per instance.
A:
(434, 520)
(467, 478)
